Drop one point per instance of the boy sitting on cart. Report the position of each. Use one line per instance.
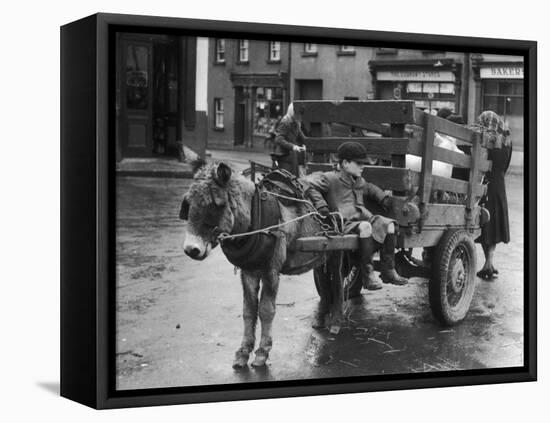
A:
(342, 191)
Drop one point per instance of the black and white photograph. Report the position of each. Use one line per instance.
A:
(290, 211)
(277, 211)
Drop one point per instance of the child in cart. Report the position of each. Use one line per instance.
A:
(342, 191)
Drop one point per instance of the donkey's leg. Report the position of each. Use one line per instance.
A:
(268, 296)
(270, 287)
(336, 295)
(322, 280)
(251, 285)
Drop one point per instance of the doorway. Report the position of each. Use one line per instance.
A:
(148, 93)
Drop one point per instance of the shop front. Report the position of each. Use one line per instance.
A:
(260, 101)
(499, 87)
(432, 84)
(155, 93)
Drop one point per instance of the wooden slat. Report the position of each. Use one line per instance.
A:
(398, 179)
(451, 157)
(427, 238)
(377, 145)
(452, 215)
(360, 112)
(379, 128)
(319, 167)
(322, 243)
(457, 186)
(391, 178)
(449, 184)
(474, 172)
(427, 160)
(447, 127)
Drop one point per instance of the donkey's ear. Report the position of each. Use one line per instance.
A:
(222, 174)
(184, 210)
(197, 164)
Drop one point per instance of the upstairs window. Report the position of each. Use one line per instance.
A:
(346, 51)
(220, 50)
(310, 48)
(218, 112)
(275, 51)
(243, 51)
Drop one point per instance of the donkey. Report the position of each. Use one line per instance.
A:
(220, 201)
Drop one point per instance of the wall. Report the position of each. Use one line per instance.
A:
(342, 75)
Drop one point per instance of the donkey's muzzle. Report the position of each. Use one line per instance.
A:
(194, 253)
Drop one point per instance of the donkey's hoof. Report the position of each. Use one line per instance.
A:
(319, 322)
(335, 329)
(241, 359)
(260, 358)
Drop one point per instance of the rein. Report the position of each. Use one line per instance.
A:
(223, 236)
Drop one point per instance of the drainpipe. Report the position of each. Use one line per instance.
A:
(465, 95)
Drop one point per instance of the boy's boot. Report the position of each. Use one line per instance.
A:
(387, 261)
(370, 281)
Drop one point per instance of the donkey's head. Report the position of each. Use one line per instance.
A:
(206, 208)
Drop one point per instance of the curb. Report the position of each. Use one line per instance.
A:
(177, 174)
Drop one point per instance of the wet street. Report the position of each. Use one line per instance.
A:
(179, 321)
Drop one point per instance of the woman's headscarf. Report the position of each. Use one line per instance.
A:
(492, 122)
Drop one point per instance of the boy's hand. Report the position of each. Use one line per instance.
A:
(387, 203)
(324, 211)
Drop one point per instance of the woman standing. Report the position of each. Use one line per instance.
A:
(497, 230)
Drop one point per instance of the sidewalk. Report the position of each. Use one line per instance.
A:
(169, 167)
(172, 168)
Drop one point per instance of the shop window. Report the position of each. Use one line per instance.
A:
(268, 109)
(433, 88)
(243, 51)
(275, 51)
(220, 50)
(218, 112)
(503, 97)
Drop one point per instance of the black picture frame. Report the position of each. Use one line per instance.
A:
(87, 211)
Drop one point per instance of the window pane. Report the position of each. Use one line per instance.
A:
(218, 109)
(518, 88)
(137, 77)
(447, 88)
(514, 106)
(490, 103)
(310, 48)
(243, 50)
(220, 50)
(414, 87)
(490, 87)
(347, 48)
(505, 88)
(431, 87)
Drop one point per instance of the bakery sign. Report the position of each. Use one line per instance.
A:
(427, 75)
(501, 72)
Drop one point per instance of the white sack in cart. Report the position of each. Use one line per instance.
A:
(438, 168)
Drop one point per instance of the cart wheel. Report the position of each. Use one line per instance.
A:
(452, 285)
(340, 268)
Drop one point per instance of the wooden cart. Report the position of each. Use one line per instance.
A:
(391, 130)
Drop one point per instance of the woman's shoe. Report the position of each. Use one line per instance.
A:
(485, 274)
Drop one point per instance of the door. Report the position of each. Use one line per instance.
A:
(310, 89)
(136, 99)
(239, 123)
